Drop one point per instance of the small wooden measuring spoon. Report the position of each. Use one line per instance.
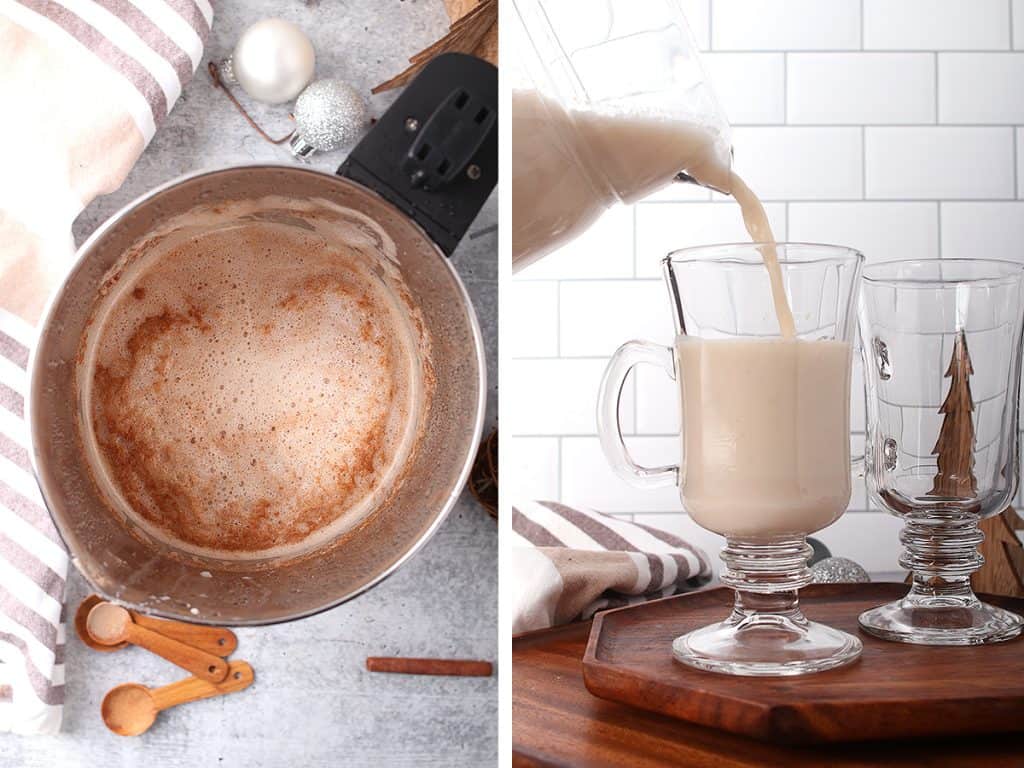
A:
(130, 709)
(110, 624)
(216, 640)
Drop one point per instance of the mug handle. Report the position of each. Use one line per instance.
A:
(626, 357)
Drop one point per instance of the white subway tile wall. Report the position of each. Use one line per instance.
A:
(939, 162)
(749, 86)
(892, 126)
(785, 25)
(860, 88)
(981, 88)
(936, 25)
(983, 230)
(801, 163)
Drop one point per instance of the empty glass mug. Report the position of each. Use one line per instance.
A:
(765, 443)
(941, 341)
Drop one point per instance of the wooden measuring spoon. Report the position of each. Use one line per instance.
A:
(216, 640)
(110, 624)
(130, 709)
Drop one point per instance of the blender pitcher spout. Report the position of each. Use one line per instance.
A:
(684, 177)
(726, 159)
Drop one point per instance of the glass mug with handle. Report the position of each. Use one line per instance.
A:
(765, 445)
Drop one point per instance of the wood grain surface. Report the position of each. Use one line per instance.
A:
(1003, 571)
(557, 722)
(894, 690)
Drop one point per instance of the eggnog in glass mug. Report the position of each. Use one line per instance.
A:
(762, 359)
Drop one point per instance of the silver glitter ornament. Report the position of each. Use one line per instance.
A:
(328, 114)
(838, 570)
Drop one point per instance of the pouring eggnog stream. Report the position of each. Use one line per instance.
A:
(568, 166)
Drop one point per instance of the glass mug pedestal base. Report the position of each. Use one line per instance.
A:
(767, 634)
(766, 645)
(928, 620)
(941, 550)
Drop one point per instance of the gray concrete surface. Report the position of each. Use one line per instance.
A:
(313, 703)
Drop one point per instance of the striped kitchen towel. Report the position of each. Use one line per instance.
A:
(568, 563)
(86, 84)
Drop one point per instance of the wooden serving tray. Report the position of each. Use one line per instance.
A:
(557, 722)
(894, 691)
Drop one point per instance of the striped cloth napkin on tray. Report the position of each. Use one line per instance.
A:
(568, 563)
(85, 85)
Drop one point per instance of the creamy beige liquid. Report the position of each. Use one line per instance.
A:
(568, 167)
(760, 231)
(766, 446)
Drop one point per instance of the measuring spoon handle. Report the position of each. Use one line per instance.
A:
(240, 676)
(215, 640)
(199, 663)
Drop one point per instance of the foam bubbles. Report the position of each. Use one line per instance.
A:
(244, 399)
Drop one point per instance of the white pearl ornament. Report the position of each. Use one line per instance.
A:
(273, 61)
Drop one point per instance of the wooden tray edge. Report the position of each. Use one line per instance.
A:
(787, 724)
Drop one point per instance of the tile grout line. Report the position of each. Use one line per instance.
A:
(636, 255)
(558, 473)
(1016, 165)
(1013, 42)
(558, 319)
(862, 24)
(785, 88)
(864, 162)
(711, 25)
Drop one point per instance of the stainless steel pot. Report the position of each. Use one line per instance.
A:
(425, 211)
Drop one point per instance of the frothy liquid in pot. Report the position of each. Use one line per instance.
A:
(252, 389)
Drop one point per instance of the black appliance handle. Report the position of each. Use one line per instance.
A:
(434, 153)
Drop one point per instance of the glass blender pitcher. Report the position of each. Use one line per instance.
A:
(609, 104)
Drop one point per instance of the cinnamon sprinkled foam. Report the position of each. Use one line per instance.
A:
(252, 378)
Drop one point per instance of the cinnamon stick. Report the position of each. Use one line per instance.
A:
(409, 666)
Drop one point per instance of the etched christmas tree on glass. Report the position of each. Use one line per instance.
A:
(955, 446)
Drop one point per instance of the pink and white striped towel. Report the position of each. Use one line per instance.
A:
(84, 86)
(567, 564)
